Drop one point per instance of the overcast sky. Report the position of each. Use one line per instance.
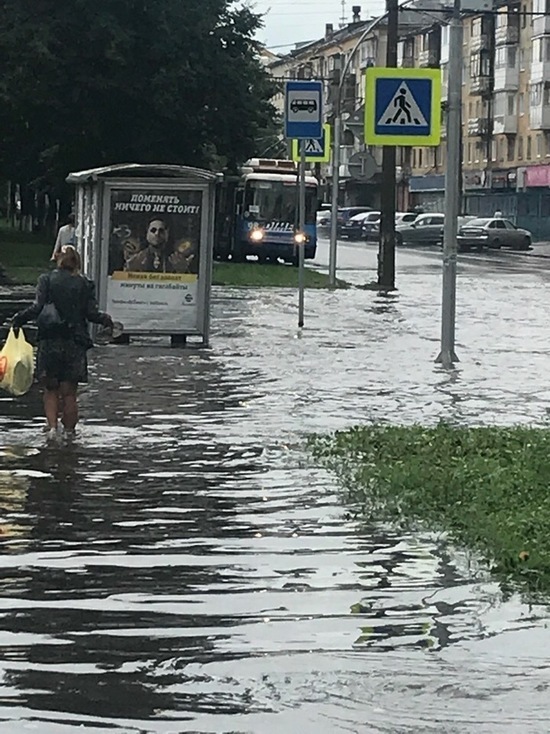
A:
(289, 21)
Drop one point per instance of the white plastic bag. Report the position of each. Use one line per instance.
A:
(16, 364)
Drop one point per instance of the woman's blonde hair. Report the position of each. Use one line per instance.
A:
(69, 259)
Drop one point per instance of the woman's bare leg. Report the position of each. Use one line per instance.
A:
(51, 407)
(70, 405)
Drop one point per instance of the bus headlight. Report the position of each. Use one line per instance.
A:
(300, 238)
(256, 235)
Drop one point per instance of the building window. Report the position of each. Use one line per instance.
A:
(521, 103)
(539, 146)
(522, 59)
(511, 104)
(420, 156)
(469, 152)
(528, 152)
(511, 148)
(523, 16)
(546, 96)
(520, 148)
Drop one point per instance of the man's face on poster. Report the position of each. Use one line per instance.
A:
(157, 233)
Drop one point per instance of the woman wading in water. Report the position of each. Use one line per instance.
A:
(63, 339)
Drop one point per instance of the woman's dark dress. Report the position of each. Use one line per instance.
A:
(61, 354)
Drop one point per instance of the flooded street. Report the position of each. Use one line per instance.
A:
(183, 567)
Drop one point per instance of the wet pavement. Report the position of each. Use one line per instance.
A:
(183, 567)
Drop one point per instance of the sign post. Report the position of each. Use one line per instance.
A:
(302, 224)
(303, 123)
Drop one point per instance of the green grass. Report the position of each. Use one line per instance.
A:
(273, 275)
(488, 488)
(24, 255)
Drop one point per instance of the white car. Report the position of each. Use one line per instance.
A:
(371, 228)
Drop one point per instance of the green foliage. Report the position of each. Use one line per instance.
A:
(24, 255)
(86, 83)
(487, 487)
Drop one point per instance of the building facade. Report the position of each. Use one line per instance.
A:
(505, 110)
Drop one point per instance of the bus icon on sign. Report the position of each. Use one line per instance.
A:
(303, 105)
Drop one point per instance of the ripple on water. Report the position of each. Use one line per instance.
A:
(182, 568)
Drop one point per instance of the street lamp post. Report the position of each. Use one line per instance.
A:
(337, 135)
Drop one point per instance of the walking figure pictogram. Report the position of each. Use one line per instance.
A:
(403, 114)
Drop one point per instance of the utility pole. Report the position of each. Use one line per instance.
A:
(337, 135)
(447, 355)
(386, 251)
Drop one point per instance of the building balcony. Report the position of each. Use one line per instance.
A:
(507, 34)
(478, 126)
(541, 26)
(539, 117)
(428, 58)
(506, 79)
(540, 71)
(505, 125)
(479, 43)
(479, 84)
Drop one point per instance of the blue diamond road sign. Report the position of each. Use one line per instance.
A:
(304, 110)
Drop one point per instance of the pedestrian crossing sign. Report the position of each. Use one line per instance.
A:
(317, 149)
(402, 106)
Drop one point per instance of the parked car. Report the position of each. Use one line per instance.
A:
(371, 228)
(426, 229)
(347, 212)
(492, 232)
(353, 228)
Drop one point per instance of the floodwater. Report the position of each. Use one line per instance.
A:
(183, 567)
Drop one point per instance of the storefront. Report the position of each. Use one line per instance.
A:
(428, 192)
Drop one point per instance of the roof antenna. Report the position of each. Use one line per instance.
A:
(343, 16)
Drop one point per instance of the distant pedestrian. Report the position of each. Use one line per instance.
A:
(64, 339)
(498, 214)
(65, 236)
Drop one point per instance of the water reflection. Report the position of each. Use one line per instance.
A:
(183, 567)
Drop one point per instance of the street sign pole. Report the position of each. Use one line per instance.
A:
(303, 122)
(447, 355)
(334, 202)
(302, 243)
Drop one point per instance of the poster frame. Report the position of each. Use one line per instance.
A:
(202, 326)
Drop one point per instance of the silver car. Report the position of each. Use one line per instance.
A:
(494, 232)
(427, 229)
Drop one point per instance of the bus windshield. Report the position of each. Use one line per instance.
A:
(270, 201)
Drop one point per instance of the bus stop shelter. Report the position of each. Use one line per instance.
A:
(146, 234)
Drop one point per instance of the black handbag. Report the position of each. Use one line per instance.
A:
(49, 320)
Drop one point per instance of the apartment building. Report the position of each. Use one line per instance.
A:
(326, 58)
(505, 119)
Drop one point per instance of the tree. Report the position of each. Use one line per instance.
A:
(93, 82)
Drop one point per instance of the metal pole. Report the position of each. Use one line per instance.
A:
(337, 134)
(447, 355)
(386, 251)
(302, 244)
(334, 200)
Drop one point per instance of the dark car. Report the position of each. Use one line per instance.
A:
(354, 227)
(494, 232)
(347, 212)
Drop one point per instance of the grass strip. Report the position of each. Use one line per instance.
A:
(487, 487)
(268, 275)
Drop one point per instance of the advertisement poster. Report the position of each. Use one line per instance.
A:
(154, 255)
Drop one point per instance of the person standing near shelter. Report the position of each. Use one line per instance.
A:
(61, 361)
(65, 236)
